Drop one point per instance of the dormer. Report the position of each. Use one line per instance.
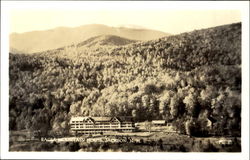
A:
(115, 119)
(89, 120)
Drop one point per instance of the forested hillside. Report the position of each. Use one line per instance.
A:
(190, 79)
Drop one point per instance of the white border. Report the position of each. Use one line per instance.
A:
(7, 6)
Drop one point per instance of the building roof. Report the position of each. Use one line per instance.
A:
(101, 119)
(78, 118)
(158, 121)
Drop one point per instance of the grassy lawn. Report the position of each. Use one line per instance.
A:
(157, 141)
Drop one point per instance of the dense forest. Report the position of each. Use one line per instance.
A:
(191, 80)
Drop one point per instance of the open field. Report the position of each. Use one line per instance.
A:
(133, 142)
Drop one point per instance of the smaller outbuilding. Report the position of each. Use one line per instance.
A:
(159, 122)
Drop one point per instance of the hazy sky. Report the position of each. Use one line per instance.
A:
(171, 21)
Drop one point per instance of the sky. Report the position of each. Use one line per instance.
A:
(169, 21)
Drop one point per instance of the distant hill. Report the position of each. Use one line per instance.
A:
(93, 45)
(106, 40)
(37, 41)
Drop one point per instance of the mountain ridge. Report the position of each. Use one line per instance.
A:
(100, 43)
(106, 40)
(37, 41)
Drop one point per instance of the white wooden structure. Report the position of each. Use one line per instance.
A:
(99, 125)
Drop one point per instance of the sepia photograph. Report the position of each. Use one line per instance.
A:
(139, 77)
